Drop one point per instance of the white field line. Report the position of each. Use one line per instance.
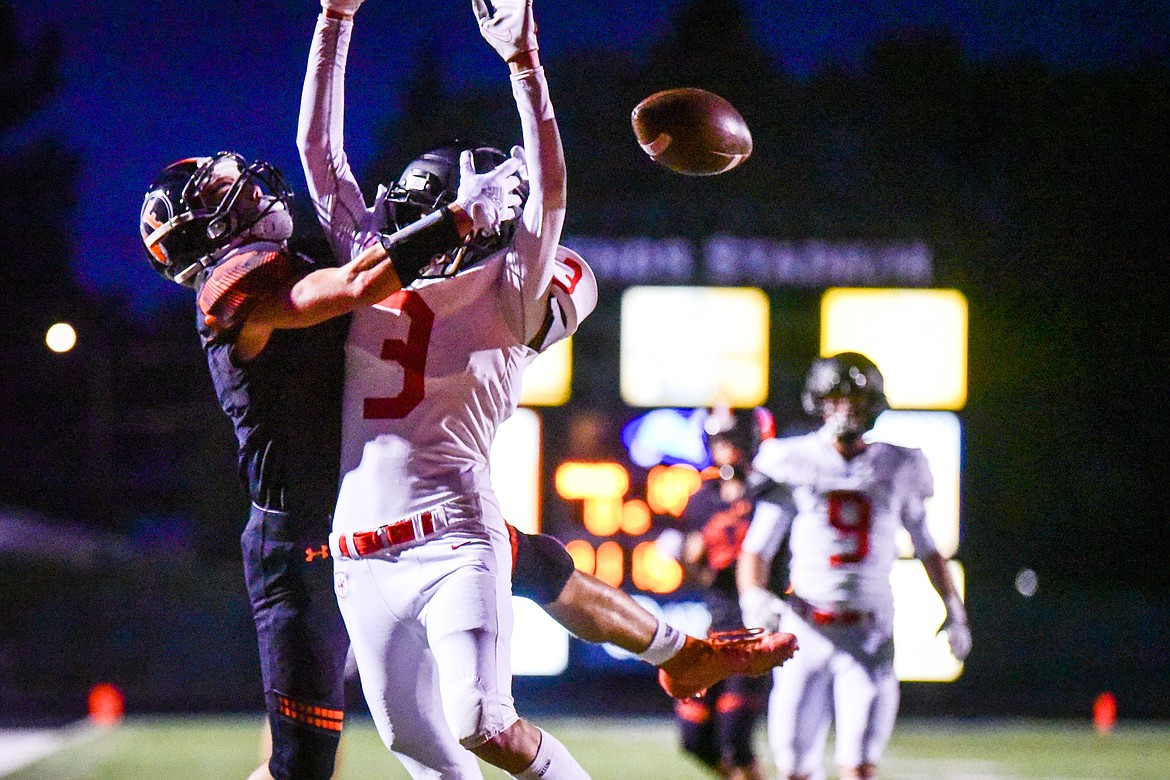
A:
(21, 747)
(955, 769)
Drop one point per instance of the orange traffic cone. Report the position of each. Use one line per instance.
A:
(106, 706)
(1104, 712)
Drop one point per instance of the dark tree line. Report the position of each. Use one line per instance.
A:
(1042, 193)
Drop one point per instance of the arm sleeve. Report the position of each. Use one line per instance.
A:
(768, 530)
(535, 244)
(337, 198)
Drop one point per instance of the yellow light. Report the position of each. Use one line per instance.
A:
(515, 465)
(917, 337)
(602, 516)
(676, 349)
(654, 572)
(548, 380)
(920, 653)
(635, 517)
(577, 479)
(600, 486)
(584, 559)
(61, 337)
(610, 563)
(668, 488)
(939, 436)
(540, 645)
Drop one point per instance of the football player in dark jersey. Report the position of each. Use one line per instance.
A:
(718, 728)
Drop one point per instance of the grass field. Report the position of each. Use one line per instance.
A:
(216, 748)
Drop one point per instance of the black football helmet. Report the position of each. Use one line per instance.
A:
(744, 429)
(431, 182)
(846, 374)
(201, 207)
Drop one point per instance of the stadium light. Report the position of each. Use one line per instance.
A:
(61, 337)
(548, 379)
(675, 350)
(917, 337)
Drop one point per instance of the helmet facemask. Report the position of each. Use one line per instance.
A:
(201, 208)
(847, 392)
(431, 182)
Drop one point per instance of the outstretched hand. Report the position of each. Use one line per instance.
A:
(510, 29)
(489, 198)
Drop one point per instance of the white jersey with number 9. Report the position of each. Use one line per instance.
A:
(840, 517)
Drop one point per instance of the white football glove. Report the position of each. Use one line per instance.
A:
(958, 631)
(761, 608)
(511, 30)
(347, 7)
(489, 198)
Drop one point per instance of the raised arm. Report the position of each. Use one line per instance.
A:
(511, 31)
(337, 198)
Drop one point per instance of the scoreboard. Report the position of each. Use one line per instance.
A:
(674, 364)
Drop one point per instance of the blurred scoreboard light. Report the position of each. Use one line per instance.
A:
(939, 436)
(919, 654)
(548, 379)
(600, 487)
(694, 346)
(540, 645)
(515, 467)
(917, 337)
(669, 488)
(654, 572)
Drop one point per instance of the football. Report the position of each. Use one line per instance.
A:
(691, 131)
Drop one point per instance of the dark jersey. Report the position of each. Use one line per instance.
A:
(285, 404)
(723, 526)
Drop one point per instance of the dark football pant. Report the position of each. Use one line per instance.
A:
(718, 728)
(302, 640)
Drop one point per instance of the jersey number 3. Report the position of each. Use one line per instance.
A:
(410, 353)
(851, 513)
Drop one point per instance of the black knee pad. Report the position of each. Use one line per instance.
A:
(540, 566)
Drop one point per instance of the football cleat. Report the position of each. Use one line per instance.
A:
(703, 663)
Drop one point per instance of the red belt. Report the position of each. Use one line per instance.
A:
(847, 617)
(831, 617)
(409, 529)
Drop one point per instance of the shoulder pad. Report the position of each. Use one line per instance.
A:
(242, 279)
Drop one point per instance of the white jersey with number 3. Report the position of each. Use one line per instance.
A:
(840, 517)
(431, 372)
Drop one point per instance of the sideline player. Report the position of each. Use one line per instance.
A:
(838, 500)
(431, 374)
(718, 729)
(268, 321)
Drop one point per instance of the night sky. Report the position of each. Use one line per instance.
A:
(148, 82)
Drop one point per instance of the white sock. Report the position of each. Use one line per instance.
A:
(553, 762)
(667, 641)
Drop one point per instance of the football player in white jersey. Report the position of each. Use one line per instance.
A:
(422, 553)
(837, 502)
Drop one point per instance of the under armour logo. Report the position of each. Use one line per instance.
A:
(311, 554)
